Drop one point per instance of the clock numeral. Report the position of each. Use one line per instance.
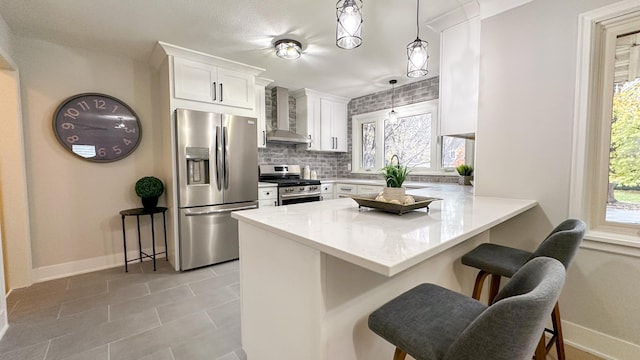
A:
(100, 104)
(117, 149)
(72, 113)
(102, 152)
(73, 139)
(132, 130)
(115, 107)
(68, 126)
(126, 141)
(83, 105)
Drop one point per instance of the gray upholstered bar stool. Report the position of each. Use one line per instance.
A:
(429, 322)
(497, 261)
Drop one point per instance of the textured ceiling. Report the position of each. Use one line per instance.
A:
(244, 31)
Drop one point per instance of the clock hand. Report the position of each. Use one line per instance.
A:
(92, 127)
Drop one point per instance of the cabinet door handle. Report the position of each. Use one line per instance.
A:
(310, 140)
(214, 91)
(264, 138)
(221, 92)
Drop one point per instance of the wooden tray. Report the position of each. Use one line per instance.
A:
(370, 202)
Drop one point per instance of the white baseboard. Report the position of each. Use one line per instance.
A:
(599, 344)
(86, 265)
(4, 329)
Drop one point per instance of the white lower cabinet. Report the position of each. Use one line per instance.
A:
(346, 190)
(268, 196)
(327, 191)
(366, 190)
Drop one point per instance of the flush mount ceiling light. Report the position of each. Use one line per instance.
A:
(349, 28)
(288, 49)
(417, 52)
(393, 115)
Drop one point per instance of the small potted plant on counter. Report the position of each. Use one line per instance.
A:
(149, 188)
(394, 176)
(466, 174)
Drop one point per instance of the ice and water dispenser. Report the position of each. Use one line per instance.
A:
(197, 165)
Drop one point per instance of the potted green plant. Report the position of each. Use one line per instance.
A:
(394, 176)
(466, 174)
(149, 188)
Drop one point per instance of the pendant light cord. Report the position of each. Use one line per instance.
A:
(417, 17)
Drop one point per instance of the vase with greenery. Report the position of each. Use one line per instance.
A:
(466, 174)
(394, 176)
(149, 188)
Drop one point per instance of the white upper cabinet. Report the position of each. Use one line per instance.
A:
(459, 77)
(333, 125)
(322, 118)
(198, 81)
(261, 111)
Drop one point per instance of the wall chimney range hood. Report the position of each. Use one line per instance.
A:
(282, 134)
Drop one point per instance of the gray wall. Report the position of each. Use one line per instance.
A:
(334, 165)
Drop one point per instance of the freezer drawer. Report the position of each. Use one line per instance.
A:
(208, 234)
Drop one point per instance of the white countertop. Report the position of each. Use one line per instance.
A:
(266, 184)
(382, 242)
(378, 182)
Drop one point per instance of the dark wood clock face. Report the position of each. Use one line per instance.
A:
(97, 127)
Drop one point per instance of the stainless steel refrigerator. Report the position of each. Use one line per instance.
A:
(217, 174)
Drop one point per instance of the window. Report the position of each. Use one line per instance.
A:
(412, 136)
(454, 152)
(606, 173)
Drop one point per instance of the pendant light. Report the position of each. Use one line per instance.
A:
(349, 28)
(393, 115)
(417, 52)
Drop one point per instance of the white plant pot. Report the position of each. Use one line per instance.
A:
(391, 193)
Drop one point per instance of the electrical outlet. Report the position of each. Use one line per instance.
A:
(349, 166)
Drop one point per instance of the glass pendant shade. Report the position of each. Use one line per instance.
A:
(349, 27)
(418, 55)
(417, 52)
(288, 49)
(393, 115)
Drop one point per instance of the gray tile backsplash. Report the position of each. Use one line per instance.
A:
(334, 165)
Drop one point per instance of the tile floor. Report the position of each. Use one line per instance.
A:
(142, 314)
(113, 315)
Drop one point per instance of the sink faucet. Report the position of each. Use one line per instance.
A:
(397, 160)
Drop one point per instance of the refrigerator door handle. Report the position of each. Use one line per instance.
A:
(218, 158)
(212, 212)
(225, 138)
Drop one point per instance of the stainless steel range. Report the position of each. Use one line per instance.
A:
(291, 188)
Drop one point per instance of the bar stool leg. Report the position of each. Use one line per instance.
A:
(153, 242)
(477, 288)
(399, 354)
(557, 329)
(124, 242)
(541, 350)
(139, 242)
(495, 287)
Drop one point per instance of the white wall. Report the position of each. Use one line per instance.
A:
(523, 150)
(74, 204)
(14, 213)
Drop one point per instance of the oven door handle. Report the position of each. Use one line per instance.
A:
(299, 196)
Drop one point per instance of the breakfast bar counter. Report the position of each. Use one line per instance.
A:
(311, 273)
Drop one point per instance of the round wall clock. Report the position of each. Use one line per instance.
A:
(97, 127)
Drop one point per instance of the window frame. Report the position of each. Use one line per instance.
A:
(593, 105)
(378, 117)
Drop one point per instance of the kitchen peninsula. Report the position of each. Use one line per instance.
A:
(311, 273)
